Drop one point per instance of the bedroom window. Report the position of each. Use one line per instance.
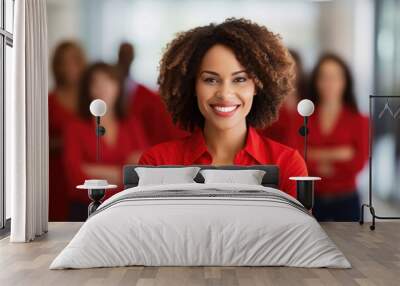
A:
(6, 44)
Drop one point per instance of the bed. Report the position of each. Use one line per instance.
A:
(199, 224)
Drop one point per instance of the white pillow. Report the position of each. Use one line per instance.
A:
(249, 177)
(162, 176)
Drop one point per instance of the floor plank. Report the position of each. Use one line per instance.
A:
(374, 255)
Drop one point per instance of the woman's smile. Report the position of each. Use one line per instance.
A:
(225, 110)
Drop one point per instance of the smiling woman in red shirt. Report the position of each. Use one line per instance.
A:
(338, 141)
(221, 82)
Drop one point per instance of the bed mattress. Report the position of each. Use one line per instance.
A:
(201, 225)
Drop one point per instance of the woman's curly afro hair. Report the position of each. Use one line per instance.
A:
(259, 51)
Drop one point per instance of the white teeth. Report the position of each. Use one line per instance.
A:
(225, 108)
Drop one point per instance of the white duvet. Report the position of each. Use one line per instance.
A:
(183, 231)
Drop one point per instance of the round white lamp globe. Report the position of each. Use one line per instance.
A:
(98, 107)
(305, 107)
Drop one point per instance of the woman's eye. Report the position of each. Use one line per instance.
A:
(210, 80)
(240, 79)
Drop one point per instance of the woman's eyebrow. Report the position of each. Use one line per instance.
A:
(211, 72)
(238, 72)
(215, 73)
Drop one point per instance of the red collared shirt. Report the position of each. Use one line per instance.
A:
(59, 117)
(259, 150)
(80, 142)
(351, 129)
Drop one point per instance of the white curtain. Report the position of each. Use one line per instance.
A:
(27, 124)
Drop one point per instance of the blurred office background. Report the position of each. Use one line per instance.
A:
(365, 33)
(309, 27)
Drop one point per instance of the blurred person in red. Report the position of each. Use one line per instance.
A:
(68, 64)
(122, 138)
(145, 105)
(338, 141)
(285, 128)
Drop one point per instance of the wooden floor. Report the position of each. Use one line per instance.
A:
(375, 256)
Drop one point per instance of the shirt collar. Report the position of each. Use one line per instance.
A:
(255, 146)
(195, 146)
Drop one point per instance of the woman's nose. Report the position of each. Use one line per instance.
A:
(225, 90)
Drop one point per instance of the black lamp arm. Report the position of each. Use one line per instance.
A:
(100, 131)
(304, 132)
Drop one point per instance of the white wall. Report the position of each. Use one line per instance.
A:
(363, 51)
(150, 25)
(347, 28)
(63, 24)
